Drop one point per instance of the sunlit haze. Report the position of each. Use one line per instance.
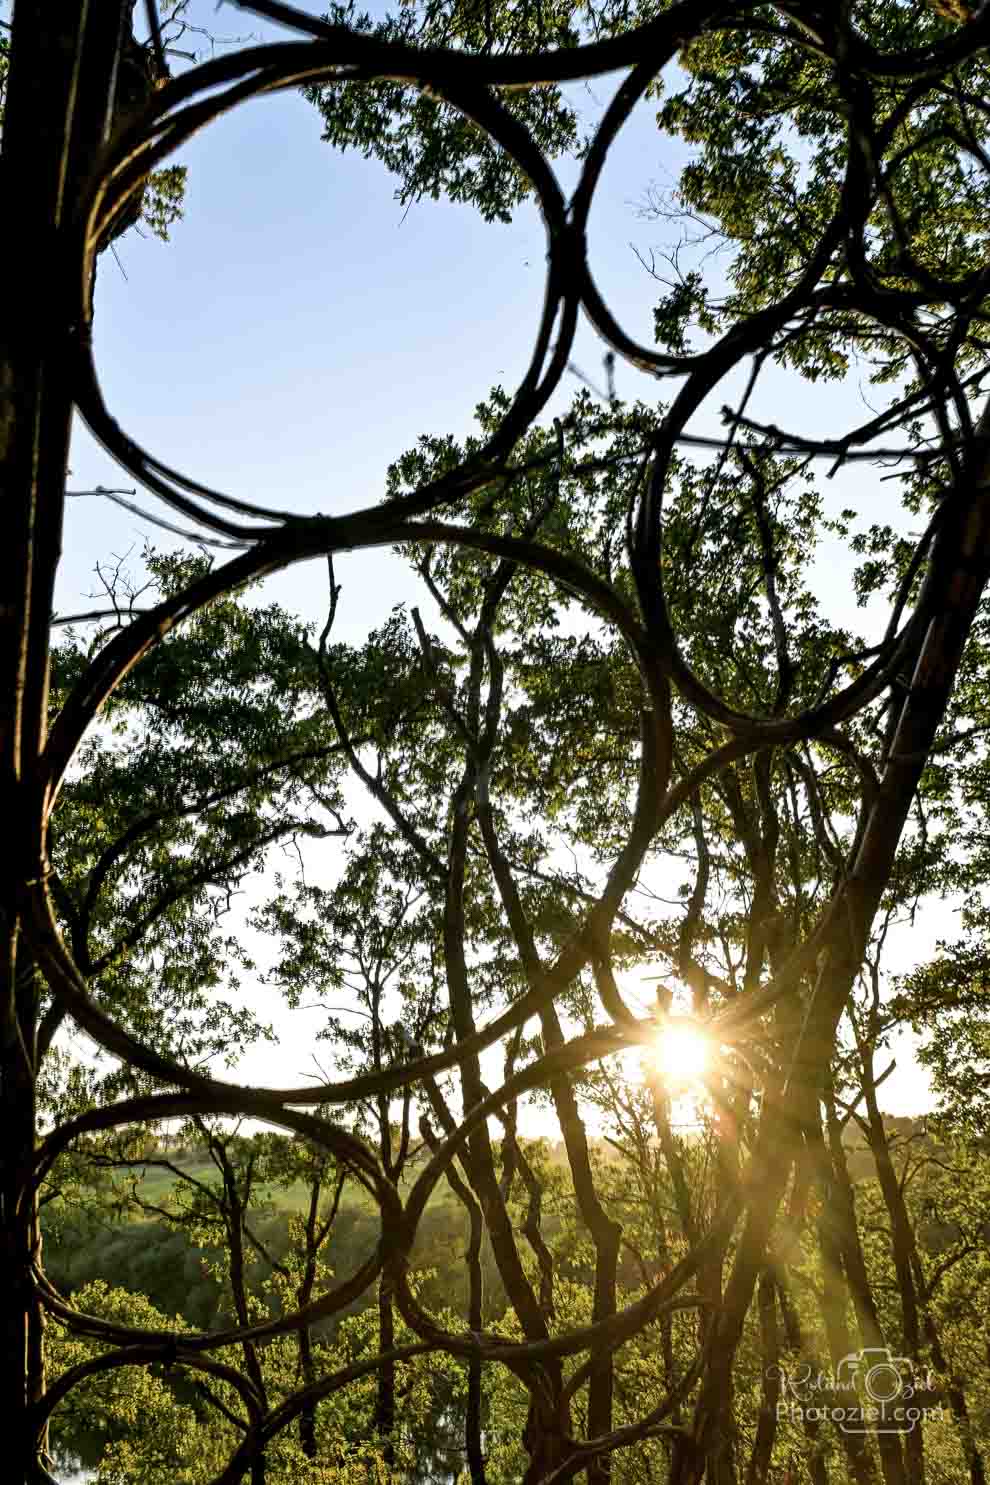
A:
(682, 1053)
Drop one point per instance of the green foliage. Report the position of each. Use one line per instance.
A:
(515, 738)
(434, 149)
(195, 774)
(163, 202)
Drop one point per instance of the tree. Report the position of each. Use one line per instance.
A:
(534, 768)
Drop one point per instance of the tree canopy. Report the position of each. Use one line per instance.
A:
(622, 739)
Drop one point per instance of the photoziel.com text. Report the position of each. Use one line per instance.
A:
(869, 1391)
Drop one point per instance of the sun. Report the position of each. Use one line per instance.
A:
(682, 1052)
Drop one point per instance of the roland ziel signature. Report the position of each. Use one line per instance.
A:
(870, 1391)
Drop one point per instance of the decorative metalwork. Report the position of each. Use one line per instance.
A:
(938, 319)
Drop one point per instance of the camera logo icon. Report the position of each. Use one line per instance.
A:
(882, 1389)
(869, 1391)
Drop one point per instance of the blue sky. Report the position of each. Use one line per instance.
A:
(301, 330)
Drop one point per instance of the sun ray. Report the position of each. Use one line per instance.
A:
(682, 1053)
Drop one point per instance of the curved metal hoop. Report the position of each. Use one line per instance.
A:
(274, 537)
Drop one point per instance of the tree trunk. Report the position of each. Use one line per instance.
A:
(307, 1364)
(954, 1393)
(902, 1244)
(758, 1469)
(840, 1202)
(63, 62)
(385, 1401)
(21, 1354)
(473, 1449)
(859, 1457)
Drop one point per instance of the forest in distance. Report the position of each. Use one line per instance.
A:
(595, 798)
(142, 1231)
